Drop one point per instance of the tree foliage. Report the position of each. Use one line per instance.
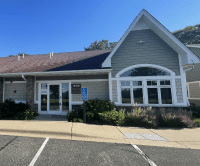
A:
(100, 45)
(19, 54)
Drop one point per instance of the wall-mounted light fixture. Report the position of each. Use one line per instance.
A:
(141, 41)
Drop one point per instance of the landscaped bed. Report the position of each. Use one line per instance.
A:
(104, 112)
(9, 110)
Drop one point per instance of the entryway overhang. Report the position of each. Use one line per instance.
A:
(58, 73)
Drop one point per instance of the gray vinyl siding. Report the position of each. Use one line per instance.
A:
(194, 90)
(153, 51)
(195, 50)
(194, 74)
(19, 95)
(98, 90)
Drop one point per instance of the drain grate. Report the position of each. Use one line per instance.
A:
(154, 137)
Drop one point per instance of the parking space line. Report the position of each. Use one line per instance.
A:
(144, 155)
(39, 152)
(141, 152)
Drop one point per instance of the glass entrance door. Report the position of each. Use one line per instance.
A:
(54, 99)
(65, 97)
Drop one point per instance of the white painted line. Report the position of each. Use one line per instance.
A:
(143, 155)
(39, 152)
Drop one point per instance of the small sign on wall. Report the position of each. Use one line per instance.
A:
(83, 93)
(76, 88)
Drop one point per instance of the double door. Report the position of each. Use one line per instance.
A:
(54, 98)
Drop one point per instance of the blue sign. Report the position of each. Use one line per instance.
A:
(83, 93)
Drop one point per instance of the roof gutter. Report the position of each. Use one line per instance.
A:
(54, 73)
(190, 68)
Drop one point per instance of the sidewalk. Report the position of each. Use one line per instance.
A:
(177, 138)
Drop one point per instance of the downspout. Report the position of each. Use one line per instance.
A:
(23, 77)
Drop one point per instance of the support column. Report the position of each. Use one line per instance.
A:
(1, 89)
(30, 91)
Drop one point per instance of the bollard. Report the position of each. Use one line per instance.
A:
(84, 111)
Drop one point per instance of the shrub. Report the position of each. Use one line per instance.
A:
(75, 114)
(96, 106)
(195, 110)
(78, 120)
(18, 111)
(112, 117)
(197, 121)
(178, 121)
(140, 120)
(29, 114)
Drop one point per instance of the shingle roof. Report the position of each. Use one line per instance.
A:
(89, 63)
(39, 63)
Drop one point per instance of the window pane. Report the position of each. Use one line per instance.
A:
(125, 83)
(137, 83)
(54, 96)
(44, 86)
(151, 82)
(126, 97)
(166, 95)
(145, 71)
(165, 82)
(153, 95)
(43, 102)
(65, 96)
(138, 95)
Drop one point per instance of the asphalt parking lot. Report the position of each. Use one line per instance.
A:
(15, 150)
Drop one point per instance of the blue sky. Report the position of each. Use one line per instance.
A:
(43, 26)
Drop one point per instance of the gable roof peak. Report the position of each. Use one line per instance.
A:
(144, 20)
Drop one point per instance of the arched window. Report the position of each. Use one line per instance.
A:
(145, 71)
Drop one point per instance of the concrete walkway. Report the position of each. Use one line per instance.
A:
(177, 138)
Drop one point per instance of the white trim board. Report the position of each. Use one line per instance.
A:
(63, 81)
(13, 82)
(146, 65)
(56, 73)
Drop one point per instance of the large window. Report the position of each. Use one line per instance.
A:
(144, 71)
(156, 92)
(132, 92)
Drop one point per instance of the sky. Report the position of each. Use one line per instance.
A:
(44, 26)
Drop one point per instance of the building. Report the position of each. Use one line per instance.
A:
(193, 77)
(147, 67)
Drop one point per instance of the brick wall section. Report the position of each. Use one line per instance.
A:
(1, 90)
(95, 90)
(30, 92)
(20, 94)
(179, 92)
(114, 91)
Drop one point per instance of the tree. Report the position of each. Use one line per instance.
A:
(100, 45)
(19, 54)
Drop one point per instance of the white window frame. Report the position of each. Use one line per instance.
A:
(144, 79)
(158, 86)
